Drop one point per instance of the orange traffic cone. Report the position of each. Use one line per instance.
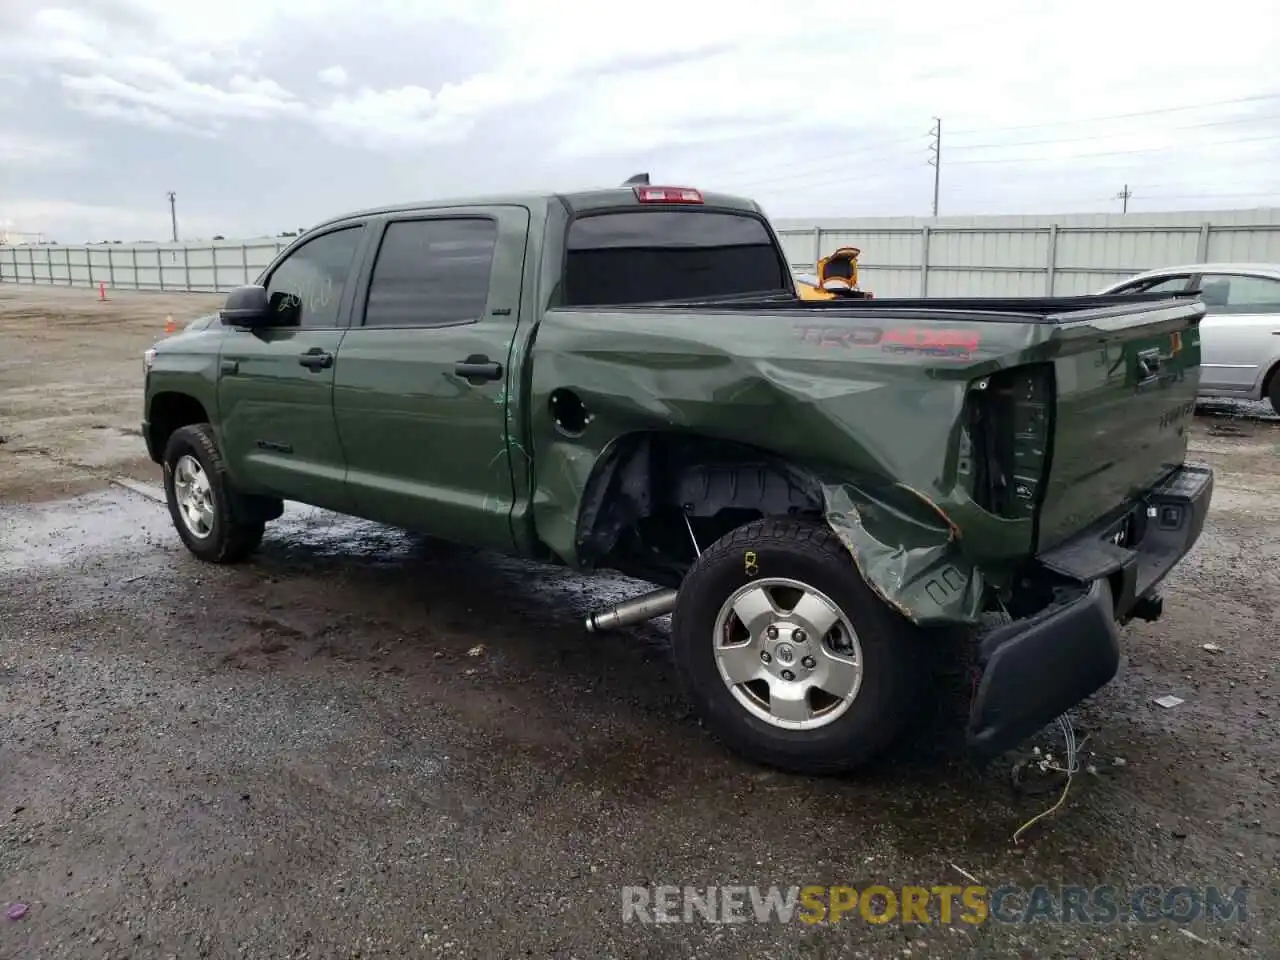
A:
(169, 326)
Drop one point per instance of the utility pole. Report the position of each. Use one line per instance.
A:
(1124, 196)
(935, 161)
(173, 213)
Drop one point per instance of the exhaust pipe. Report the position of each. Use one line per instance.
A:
(636, 610)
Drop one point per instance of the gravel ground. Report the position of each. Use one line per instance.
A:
(368, 744)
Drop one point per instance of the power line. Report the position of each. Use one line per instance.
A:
(1074, 200)
(1265, 195)
(1118, 133)
(839, 158)
(1123, 153)
(897, 179)
(879, 146)
(1125, 116)
(805, 178)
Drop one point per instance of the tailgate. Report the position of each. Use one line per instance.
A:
(1126, 381)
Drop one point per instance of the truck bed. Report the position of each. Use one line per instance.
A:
(1054, 310)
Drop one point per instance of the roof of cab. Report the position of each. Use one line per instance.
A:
(579, 202)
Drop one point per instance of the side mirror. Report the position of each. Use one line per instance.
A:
(246, 307)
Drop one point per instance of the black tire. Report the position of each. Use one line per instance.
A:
(1273, 390)
(891, 648)
(229, 540)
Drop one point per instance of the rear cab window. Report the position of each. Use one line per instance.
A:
(432, 272)
(642, 255)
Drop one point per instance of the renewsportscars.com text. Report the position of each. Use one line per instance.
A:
(942, 904)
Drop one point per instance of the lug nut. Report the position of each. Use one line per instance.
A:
(808, 663)
(798, 635)
(788, 675)
(772, 632)
(764, 656)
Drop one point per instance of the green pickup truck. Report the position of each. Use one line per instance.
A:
(823, 493)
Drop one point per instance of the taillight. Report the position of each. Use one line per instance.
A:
(648, 194)
(1005, 446)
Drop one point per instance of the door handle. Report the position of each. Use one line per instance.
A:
(229, 367)
(316, 359)
(478, 367)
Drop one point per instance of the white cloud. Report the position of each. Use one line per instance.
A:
(382, 118)
(156, 94)
(24, 150)
(334, 76)
(91, 222)
(806, 110)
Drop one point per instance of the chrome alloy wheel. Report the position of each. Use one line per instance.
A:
(788, 654)
(194, 495)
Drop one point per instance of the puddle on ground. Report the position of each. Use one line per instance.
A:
(1217, 407)
(59, 532)
(306, 540)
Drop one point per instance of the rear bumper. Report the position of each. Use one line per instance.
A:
(1034, 669)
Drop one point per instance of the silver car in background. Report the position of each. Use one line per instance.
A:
(1240, 332)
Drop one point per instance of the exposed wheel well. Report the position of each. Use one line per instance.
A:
(645, 487)
(170, 412)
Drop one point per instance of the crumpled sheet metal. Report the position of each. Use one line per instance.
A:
(878, 428)
(914, 563)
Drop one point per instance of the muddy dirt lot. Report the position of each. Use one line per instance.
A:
(364, 744)
(70, 376)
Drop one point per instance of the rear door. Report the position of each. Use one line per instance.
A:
(275, 384)
(422, 377)
(1240, 333)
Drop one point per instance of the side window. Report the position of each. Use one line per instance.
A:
(1163, 285)
(306, 289)
(432, 273)
(1230, 294)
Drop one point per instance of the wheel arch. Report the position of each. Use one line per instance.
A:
(167, 412)
(1269, 381)
(645, 485)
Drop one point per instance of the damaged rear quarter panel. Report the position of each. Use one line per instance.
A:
(870, 408)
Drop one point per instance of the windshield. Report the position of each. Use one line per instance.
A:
(641, 256)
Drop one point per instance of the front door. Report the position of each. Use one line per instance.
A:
(1242, 314)
(275, 383)
(420, 392)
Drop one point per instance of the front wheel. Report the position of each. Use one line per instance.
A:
(199, 495)
(789, 657)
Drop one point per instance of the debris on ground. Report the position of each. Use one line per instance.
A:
(16, 911)
(1169, 701)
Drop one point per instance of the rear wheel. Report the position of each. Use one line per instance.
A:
(1273, 390)
(789, 657)
(201, 499)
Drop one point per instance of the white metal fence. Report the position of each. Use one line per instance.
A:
(978, 256)
(195, 268)
(1028, 256)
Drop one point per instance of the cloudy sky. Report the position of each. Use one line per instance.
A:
(265, 115)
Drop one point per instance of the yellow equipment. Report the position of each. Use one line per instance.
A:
(837, 277)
